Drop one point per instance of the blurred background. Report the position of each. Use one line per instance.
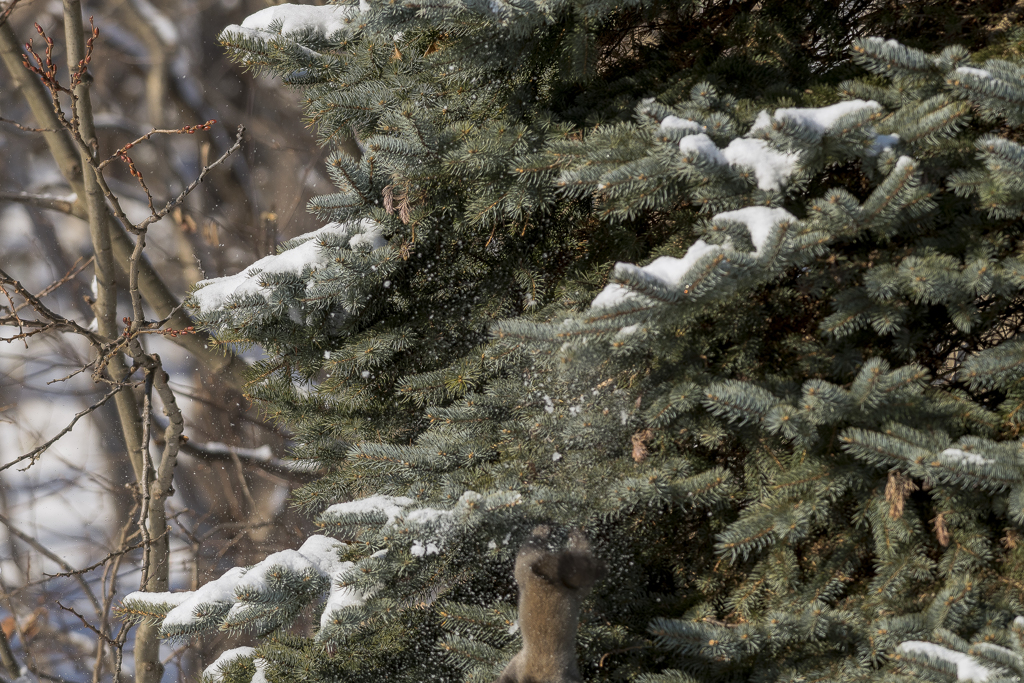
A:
(155, 66)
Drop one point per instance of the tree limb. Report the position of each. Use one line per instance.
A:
(43, 201)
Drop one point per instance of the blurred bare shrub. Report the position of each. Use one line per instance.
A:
(77, 506)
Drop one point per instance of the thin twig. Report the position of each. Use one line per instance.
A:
(50, 555)
(184, 648)
(50, 677)
(17, 318)
(37, 328)
(163, 321)
(112, 198)
(77, 267)
(27, 129)
(34, 453)
(185, 130)
(86, 623)
(240, 471)
(41, 308)
(195, 183)
(76, 372)
(108, 599)
(85, 570)
(7, 11)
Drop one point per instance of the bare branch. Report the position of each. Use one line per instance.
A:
(15, 317)
(172, 434)
(184, 130)
(27, 129)
(7, 656)
(77, 267)
(45, 552)
(240, 471)
(195, 183)
(109, 592)
(85, 623)
(79, 371)
(58, 320)
(274, 466)
(97, 564)
(43, 201)
(3, 19)
(35, 452)
(147, 468)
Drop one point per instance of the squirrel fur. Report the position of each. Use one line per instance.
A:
(552, 585)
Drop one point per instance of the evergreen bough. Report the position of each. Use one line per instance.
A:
(792, 432)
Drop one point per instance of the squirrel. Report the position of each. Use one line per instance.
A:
(552, 584)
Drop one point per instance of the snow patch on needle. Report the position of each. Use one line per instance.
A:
(818, 119)
(670, 272)
(215, 672)
(961, 456)
(432, 520)
(967, 668)
(676, 123)
(218, 293)
(665, 270)
(772, 169)
(391, 506)
(239, 588)
(291, 19)
(759, 221)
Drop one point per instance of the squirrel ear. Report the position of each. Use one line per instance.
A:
(578, 541)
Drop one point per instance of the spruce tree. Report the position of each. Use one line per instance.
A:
(731, 290)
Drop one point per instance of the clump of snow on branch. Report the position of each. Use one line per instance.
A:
(227, 602)
(340, 597)
(430, 520)
(961, 456)
(296, 20)
(218, 592)
(818, 119)
(215, 672)
(772, 169)
(676, 123)
(758, 220)
(318, 556)
(973, 71)
(822, 119)
(171, 599)
(670, 272)
(261, 671)
(391, 506)
(665, 269)
(312, 254)
(967, 667)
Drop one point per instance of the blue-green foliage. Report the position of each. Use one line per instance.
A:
(792, 432)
